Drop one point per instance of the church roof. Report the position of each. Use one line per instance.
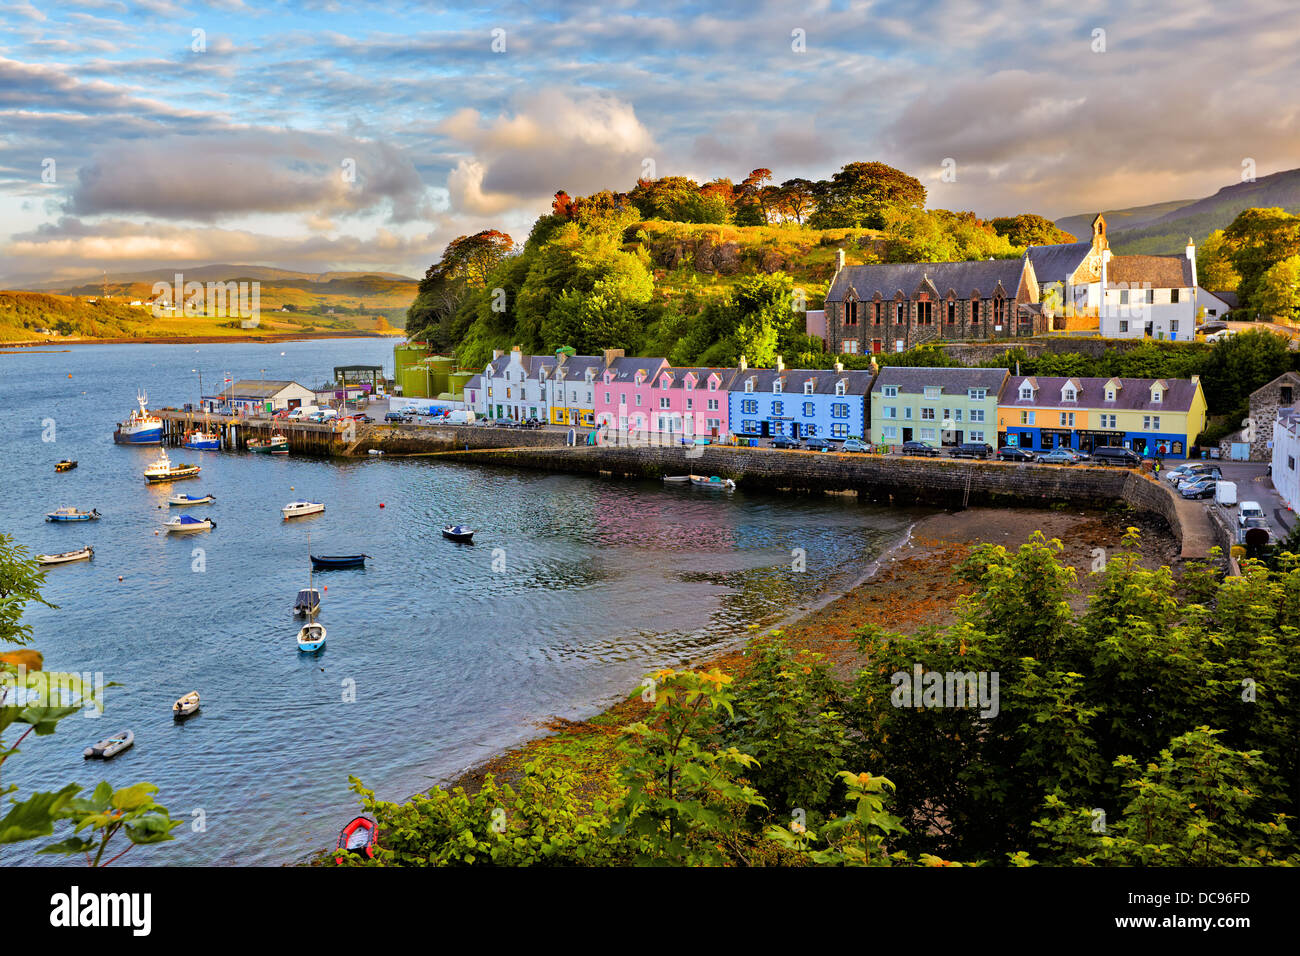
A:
(964, 278)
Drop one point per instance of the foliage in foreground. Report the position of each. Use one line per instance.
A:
(1155, 727)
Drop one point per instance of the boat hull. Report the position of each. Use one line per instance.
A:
(110, 747)
(177, 474)
(314, 509)
(203, 444)
(334, 562)
(150, 435)
(67, 557)
(71, 517)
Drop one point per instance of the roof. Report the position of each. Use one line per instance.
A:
(1291, 378)
(951, 381)
(258, 388)
(1134, 394)
(1057, 263)
(1230, 299)
(475, 381)
(625, 369)
(793, 379)
(1160, 272)
(725, 375)
(575, 367)
(963, 278)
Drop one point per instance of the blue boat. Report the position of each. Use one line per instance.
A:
(203, 441)
(311, 638)
(333, 561)
(141, 428)
(72, 514)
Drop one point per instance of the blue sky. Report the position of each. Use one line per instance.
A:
(128, 141)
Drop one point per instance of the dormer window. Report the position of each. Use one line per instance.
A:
(689, 384)
(1157, 394)
(1110, 395)
(1026, 393)
(776, 386)
(713, 385)
(1068, 394)
(839, 388)
(749, 384)
(807, 388)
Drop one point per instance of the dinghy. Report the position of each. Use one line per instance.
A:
(458, 532)
(311, 637)
(65, 465)
(676, 479)
(715, 483)
(72, 514)
(186, 706)
(297, 509)
(110, 747)
(84, 554)
(182, 501)
(186, 524)
(357, 837)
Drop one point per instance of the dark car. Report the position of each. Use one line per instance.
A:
(394, 417)
(972, 449)
(818, 444)
(1200, 488)
(1011, 453)
(362, 417)
(919, 448)
(784, 443)
(1113, 455)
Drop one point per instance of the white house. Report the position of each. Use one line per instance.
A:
(1286, 456)
(1214, 305)
(513, 386)
(259, 397)
(1149, 296)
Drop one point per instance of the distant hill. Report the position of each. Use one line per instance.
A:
(1163, 228)
(221, 272)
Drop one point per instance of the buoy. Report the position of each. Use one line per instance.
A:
(155, 534)
(327, 587)
(69, 375)
(381, 504)
(119, 577)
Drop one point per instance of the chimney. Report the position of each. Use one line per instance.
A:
(496, 354)
(611, 355)
(743, 364)
(1191, 257)
(839, 259)
(780, 365)
(1017, 368)
(839, 366)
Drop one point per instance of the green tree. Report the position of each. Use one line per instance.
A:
(1214, 269)
(1278, 293)
(1029, 229)
(860, 195)
(1257, 240)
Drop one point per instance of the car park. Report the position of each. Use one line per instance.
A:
(972, 449)
(1011, 453)
(852, 444)
(1114, 455)
(818, 444)
(919, 448)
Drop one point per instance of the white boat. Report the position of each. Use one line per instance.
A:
(185, 524)
(186, 706)
(182, 501)
(672, 479)
(311, 637)
(110, 746)
(375, 451)
(716, 483)
(162, 469)
(84, 554)
(141, 428)
(296, 509)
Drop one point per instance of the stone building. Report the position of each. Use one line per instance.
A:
(1265, 401)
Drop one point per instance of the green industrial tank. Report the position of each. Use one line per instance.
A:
(458, 380)
(409, 373)
(439, 368)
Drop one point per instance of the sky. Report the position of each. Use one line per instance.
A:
(332, 135)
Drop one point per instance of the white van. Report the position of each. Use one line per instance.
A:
(1225, 492)
(460, 417)
(302, 411)
(1249, 509)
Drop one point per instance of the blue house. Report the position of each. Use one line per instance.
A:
(798, 403)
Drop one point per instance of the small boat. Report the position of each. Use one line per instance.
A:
(307, 602)
(203, 441)
(373, 451)
(311, 637)
(186, 706)
(275, 445)
(458, 532)
(357, 837)
(332, 561)
(65, 465)
(110, 747)
(162, 469)
(676, 479)
(185, 524)
(716, 483)
(297, 509)
(141, 428)
(182, 501)
(84, 554)
(73, 514)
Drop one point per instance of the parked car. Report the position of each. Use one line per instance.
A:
(362, 417)
(1114, 455)
(972, 449)
(784, 443)
(1247, 510)
(1200, 488)
(1011, 453)
(852, 444)
(394, 417)
(1060, 456)
(919, 448)
(1184, 478)
(818, 444)
(1187, 470)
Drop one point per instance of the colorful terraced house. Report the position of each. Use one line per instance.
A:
(942, 407)
(798, 403)
(1150, 416)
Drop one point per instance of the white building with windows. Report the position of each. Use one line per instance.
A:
(513, 387)
(1286, 456)
(1149, 296)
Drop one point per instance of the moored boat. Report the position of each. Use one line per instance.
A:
(186, 706)
(162, 469)
(203, 441)
(65, 557)
(186, 524)
(715, 483)
(110, 747)
(72, 514)
(458, 532)
(183, 501)
(141, 428)
(311, 637)
(296, 509)
(307, 602)
(275, 445)
(330, 562)
(676, 479)
(357, 837)
(65, 465)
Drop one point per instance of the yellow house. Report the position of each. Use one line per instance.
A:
(1150, 416)
(571, 389)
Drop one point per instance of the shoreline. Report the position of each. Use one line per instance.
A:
(63, 344)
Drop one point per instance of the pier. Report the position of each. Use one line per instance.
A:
(306, 438)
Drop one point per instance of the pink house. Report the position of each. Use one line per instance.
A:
(648, 397)
(623, 393)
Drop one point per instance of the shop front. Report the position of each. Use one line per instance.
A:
(1089, 440)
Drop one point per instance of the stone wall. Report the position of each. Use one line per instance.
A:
(1264, 403)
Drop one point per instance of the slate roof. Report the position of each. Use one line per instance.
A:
(963, 278)
(575, 367)
(1134, 394)
(1229, 299)
(475, 382)
(257, 388)
(951, 381)
(725, 375)
(1057, 263)
(625, 369)
(793, 379)
(1162, 272)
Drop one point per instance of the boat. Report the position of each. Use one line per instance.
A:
(141, 428)
(307, 602)
(203, 441)
(183, 501)
(671, 479)
(275, 445)
(185, 524)
(311, 637)
(373, 451)
(357, 837)
(73, 514)
(716, 483)
(333, 561)
(186, 706)
(65, 465)
(296, 509)
(83, 554)
(458, 532)
(110, 747)
(162, 469)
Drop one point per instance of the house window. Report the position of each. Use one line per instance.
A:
(776, 386)
(749, 427)
(925, 313)
(927, 414)
(713, 404)
(1110, 395)
(690, 403)
(907, 412)
(1123, 297)
(1123, 325)
(839, 431)
(839, 388)
(1157, 396)
(778, 408)
(931, 391)
(809, 409)
(889, 432)
(890, 411)
(1069, 395)
(927, 434)
(977, 394)
(952, 312)
(1107, 421)
(607, 398)
(1151, 422)
(1026, 418)
(974, 310)
(877, 310)
(1067, 419)
(976, 415)
(889, 391)
(851, 347)
(850, 313)
(638, 401)
(999, 310)
(665, 403)
(1027, 393)
(713, 385)
(900, 313)
(778, 428)
(976, 436)
(749, 385)
(840, 411)
(1290, 462)
(810, 429)
(749, 406)
(807, 388)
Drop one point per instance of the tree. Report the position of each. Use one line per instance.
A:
(464, 266)
(754, 199)
(1257, 240)
(1214, 269)
(1278, 293)
(1029, 229)
(861, 194)
(796, 199)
